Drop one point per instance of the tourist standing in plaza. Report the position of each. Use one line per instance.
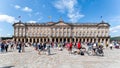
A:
(39, 48)
(12, 46)
(70, 47)
(48, 48)
(2, 47)
(111, 46)
(59, 46)
(23, 47)
(6, 46)
(35, 45)
(55, 45)
(94, 48)
(78, 45)
(19, 45)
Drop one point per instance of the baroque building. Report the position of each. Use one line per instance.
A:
(61, 32)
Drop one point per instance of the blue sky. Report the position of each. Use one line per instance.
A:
(80, 11)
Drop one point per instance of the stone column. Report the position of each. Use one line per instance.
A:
(82, 40)
(93, 40)
(28, 39)
(96, 39)
(35, 39)
(66, 39)
(50, 39)
(21, 39)
(100, 40)
(108, 41)
(74, 39)
(39, 40)
(32, 40)
(58, 39)
(89, 40)
(78, 39)
(24, 40)
(43, 39)
(46, 39)
(71, 40)
(85, 39)
(16, 39)
(54, 39)
(62, 39)
(104, 42)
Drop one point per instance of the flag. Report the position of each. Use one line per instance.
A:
(19, 16)
(49, 17)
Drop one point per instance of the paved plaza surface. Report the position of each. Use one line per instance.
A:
(59, 59)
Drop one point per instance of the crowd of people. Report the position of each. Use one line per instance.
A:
(79, 48)
(11, 46)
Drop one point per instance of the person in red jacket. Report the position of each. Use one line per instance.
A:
(79, 45)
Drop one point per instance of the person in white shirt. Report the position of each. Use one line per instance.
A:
(111, 46)
(94, 48)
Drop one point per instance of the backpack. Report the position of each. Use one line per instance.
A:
(82, 53)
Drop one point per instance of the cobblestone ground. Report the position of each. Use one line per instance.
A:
(59, 59)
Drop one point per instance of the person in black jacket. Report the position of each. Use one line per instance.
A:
(2, 47)
(6, 47)
(19, 47)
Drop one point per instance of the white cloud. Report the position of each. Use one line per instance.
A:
(40, 18)
(115, 19)
(69, 6)
(27, 9)
(7, 18)
(115, 29)
(32, 21)
(9, 35)
(17, 6)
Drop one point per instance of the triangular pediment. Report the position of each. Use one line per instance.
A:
(103, 24)
(61, 24)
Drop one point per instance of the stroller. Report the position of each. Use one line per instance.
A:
(99, 51)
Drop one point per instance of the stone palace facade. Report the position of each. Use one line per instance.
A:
(61, 32)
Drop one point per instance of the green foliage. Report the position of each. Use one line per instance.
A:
(115, 38)
(4, 38)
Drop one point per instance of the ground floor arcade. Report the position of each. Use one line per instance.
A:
(59, 39)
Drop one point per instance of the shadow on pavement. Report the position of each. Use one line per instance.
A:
(53, 54)
(7, 67)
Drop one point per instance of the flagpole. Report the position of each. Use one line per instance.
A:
(19, 18)
(101, 18)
